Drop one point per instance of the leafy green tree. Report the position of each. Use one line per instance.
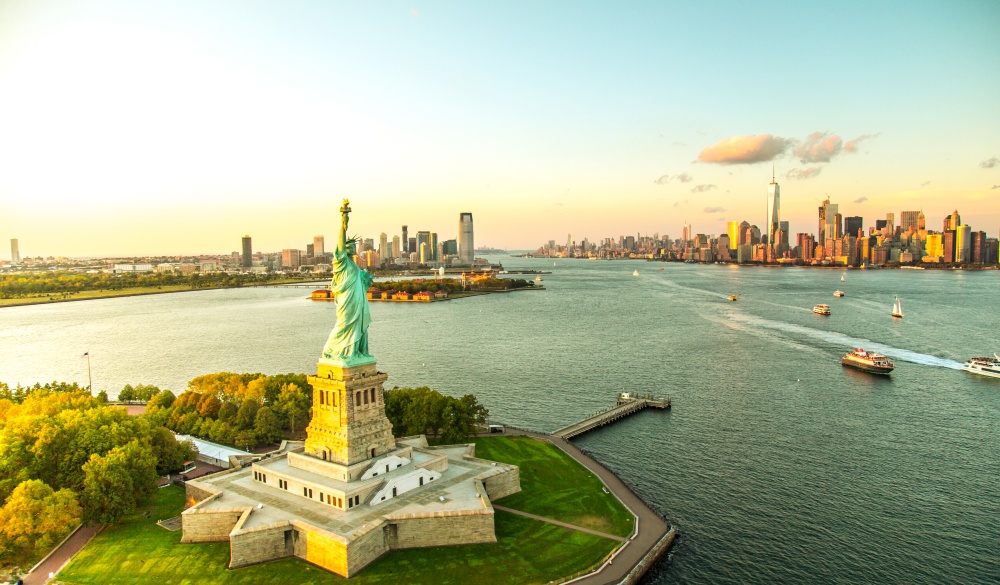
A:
(102, 396)
(267, 425)
(170, 453)
(34, 518)
(116, 483)
(294, 404)
(127, 394)
(227, 411)
(164, 399)
(246, 415)
(246, 440)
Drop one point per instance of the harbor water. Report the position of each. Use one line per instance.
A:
(776, 464)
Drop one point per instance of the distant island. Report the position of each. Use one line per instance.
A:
(440, 289)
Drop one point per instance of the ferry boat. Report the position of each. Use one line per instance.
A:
(838, 293)
(867, 361)
(821, 309)
(984, 366)
(733, 298)
(538, 279)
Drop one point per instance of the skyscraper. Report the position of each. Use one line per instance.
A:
(424, 246)
(963, 247)
(318, 246)
(853, 226)
(733, 229)
(774, 195)
(406, 242)
(383, 246)
(466, 247)
(15, 252)
(908, 219)
(247, 253)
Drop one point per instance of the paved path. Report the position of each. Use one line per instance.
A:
(651, 527)
(558, 523)
(62, 555)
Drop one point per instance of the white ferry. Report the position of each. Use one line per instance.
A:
(984, 366)
(867, 361)
(838, 293)
(821, 309)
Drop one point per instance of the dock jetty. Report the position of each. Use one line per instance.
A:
(628, 403)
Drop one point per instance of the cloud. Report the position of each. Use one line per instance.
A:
(681, 178)
(990, 163)
(702, 188)
(852, 145)
(681, 203)
(925, 183)
(995, 187)
(714, 210)
(803, 174)
(745, 149)
(819, 147)
(861, 200)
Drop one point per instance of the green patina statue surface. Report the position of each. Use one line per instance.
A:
(348, 343)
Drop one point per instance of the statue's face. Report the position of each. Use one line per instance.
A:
(351, 247)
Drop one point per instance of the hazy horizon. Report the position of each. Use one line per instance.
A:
(177, 128)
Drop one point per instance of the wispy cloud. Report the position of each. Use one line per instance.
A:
(745, 149)
(681, 203)
(714, 210)
(819, 147)
(925, 183)
(703, 188)
(990, 163)
(681, 178)
(852, 145)
(803, 174)
(861, 200)
(995, 187)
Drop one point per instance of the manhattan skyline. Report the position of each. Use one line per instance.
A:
(175, 129)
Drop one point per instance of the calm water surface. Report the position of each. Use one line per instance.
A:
(776, 464)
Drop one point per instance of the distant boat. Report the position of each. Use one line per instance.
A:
(838, 293)
(842, 277)
(538, 279)
(635, 273)
(733, 297)
(821, 309)
(897, 310)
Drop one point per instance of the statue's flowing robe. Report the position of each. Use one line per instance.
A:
(349, 338)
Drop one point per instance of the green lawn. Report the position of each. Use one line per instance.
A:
(555, 486)
(137, 551)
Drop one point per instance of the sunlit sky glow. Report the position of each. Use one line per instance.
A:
(175, 128)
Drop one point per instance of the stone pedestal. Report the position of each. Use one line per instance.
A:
(348, 425)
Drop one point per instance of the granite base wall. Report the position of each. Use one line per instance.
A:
(503, 484)
(259, 545)
(467, 528)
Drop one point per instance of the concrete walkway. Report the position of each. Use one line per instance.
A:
(652, 528)
(58, 558)
(558, 523)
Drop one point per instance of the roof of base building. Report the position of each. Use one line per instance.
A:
(456, 486)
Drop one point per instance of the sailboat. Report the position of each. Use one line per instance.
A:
(842, 277)
(897, 311)
(635, 273)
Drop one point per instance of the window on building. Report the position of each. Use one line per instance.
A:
(366, 397)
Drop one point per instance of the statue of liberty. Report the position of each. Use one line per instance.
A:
(348, 343)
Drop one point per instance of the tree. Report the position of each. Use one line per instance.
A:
(127, 394)
(424, 411)
(163, 399)
(34, 519)
(246, 415)
(294, 404)
(102, 396)
(227, 411)
(267, 425)
(116, 483)
(170, 453)
(246, 439)
(209, 406)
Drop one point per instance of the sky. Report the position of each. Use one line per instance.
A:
(145, 128)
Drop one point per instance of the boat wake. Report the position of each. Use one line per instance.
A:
(847, 341)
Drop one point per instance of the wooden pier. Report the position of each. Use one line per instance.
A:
(627, 404)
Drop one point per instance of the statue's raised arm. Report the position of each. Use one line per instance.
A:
(348, 343)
